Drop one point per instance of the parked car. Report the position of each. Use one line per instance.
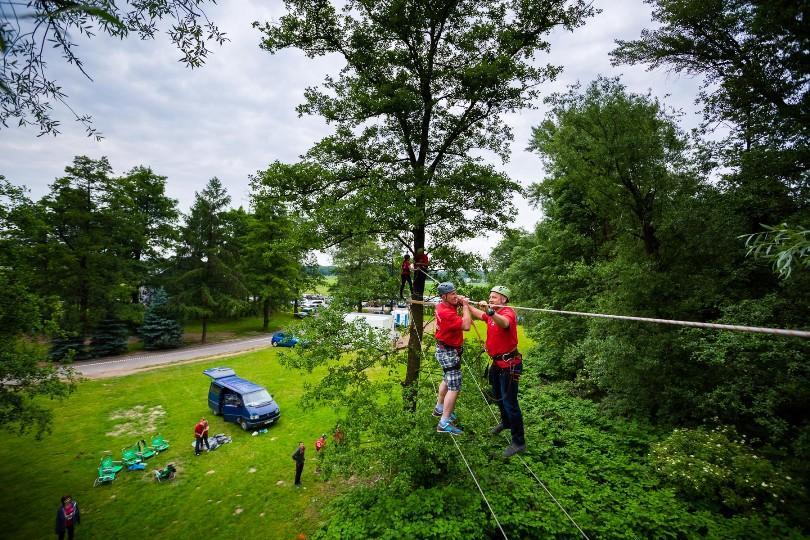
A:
(280, 339)
(241, 401)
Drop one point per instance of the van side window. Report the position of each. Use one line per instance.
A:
(232, 399)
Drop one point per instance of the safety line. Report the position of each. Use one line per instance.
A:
(486, 404)
(480, 490)
(732, 327)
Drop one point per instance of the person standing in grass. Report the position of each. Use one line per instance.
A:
(201, 436)
(298, 457)
(67, 517)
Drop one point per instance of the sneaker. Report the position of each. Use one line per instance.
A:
(497, 429)
(438, 414)
(513, 449)
(448, 428)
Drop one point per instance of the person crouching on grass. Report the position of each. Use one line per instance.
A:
(450, 327)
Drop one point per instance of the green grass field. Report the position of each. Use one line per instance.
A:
(241, 490)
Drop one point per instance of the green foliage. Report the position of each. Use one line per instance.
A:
(784, 245)
(208, 282)
(716, 470)
(363, 272)
(159, 330)
(27, 91)
(109, 338)
(24, 373)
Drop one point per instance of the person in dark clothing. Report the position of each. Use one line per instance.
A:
(405, 275)
(67, 517)
(298, 457)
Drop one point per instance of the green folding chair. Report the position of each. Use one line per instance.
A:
(130, 456)
(144, 451)
(159, 444)
(104, 477)
(108, 465)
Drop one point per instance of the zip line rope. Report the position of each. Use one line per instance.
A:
(486, 404)
(525, 464)
(455, 442)
(717, 326)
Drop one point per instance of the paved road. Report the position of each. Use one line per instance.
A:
(121, 365)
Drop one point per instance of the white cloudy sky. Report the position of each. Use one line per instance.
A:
(236, 114)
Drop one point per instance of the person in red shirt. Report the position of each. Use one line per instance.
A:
(201, 436)
(450, 327)
(67, 517)
(405, 275)
(507, 363)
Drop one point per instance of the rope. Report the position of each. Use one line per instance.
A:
(732, 327)
(486, 404)
(472, 474)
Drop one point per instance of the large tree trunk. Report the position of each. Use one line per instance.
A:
(204, 328)
(266, 314)
(416, 330)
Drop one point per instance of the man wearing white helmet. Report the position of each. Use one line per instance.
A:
(450, 327)
(507, 363)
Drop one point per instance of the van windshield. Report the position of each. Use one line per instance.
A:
(259, 397)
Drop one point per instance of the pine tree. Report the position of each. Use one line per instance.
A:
(158, 330)
(109, 338)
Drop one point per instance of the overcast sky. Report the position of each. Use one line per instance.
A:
(235, 115)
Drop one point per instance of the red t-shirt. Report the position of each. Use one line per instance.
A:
(199, 429)
(501, 340)
(406, 268)
(448, 325)
(421, 261)
(319, 444)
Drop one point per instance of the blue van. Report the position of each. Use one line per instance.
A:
(239, 400)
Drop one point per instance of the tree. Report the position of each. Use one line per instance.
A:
(79, 248)
(207, 282)
(752, 56)
(27, 91)
(272, 257)
(159, 330)
(24, 372)
(621, 151)
(363, 272)
(423, 89)
(148, 227)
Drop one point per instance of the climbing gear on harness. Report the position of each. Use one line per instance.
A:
(500, 289)
(445, 288)
(490, 312)
(507, 360)
(454, 367)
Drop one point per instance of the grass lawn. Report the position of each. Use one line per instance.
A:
(221, 330)
(241, 490)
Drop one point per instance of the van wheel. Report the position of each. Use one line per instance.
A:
(243, 424)
(215, 412)
(274, 343)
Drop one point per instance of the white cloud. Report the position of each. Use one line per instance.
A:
(235, 115)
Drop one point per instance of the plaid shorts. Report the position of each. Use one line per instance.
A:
(447, 357)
